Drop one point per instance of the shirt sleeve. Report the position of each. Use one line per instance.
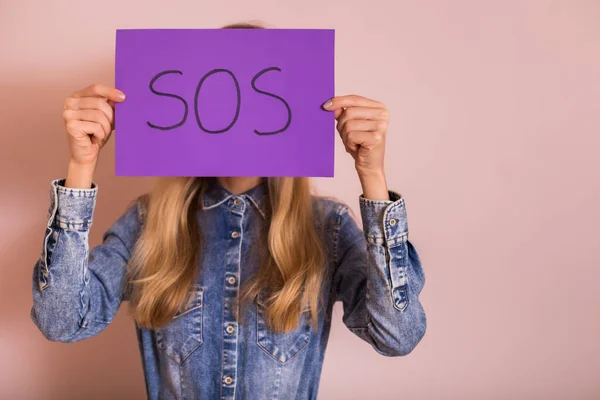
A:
(77, 292)
(378, 277)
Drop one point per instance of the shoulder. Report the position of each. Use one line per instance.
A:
(131, 220)
(330, 212)
(128, 226)
(338, 226)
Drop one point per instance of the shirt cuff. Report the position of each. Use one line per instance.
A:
(384, 219)
(71, 208)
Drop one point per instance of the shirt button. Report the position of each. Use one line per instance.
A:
(230, 329)
(228, 380)
(231, 280)
(236, 202)
(235, 234)
(393, 221)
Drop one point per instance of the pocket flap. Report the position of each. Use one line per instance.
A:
(195, 299)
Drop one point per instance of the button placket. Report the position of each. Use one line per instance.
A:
(230, 328)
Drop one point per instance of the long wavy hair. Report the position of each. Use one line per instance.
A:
(166, 258)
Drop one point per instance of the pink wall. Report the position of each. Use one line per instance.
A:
(494, 142)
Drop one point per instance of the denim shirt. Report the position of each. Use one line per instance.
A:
(204, 352)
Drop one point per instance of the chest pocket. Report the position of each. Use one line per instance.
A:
(281, 346)
(180, 337)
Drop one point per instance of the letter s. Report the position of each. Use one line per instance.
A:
(185, 113)
(287, 106)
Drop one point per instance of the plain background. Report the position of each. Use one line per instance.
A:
(493, 141)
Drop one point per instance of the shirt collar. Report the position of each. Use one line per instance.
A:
(216, 195)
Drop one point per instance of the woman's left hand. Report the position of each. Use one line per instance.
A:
(362, 124)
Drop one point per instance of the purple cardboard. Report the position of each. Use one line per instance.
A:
(224, 102)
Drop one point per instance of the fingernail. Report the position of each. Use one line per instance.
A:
(328, 104)
(121, 95)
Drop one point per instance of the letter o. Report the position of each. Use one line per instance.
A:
(237, 109)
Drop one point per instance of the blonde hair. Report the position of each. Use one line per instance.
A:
(165, 260)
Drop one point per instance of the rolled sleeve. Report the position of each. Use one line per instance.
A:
(385, 223)
(384, 219)
(71, 208)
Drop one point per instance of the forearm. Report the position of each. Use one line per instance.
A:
(80, 176)
(374, 186)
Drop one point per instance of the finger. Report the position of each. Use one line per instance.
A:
(90, 103)
(337, 113)
(364, 113)
(98, 90)
(107, 136)
(356, 139)
(344, 130)
(361, 113)
(89, 115)
(350, 101)
(112, 107)
(350, 144)
(360, 125)
(344, 136)
(79, 129)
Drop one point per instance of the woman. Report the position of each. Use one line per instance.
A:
(231, 281)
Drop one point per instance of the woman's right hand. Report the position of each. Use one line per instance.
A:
(89, 119)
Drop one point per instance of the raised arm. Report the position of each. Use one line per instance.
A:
(76, 292)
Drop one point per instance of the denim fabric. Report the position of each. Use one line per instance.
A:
(204, 352)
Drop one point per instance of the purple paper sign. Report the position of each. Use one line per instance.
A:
(224, 102)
